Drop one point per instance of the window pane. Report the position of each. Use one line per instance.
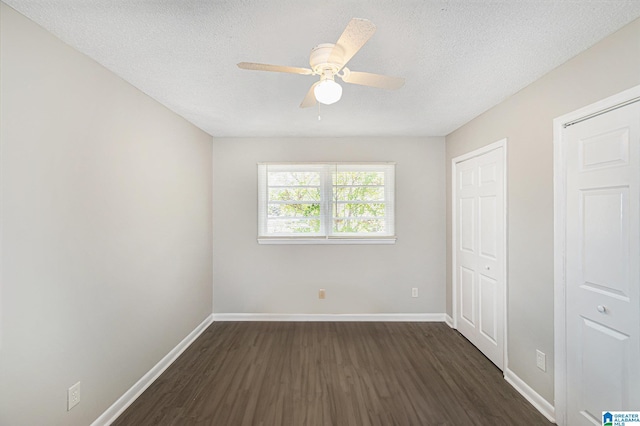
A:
(362, 193)
(358, 225)
(294, 194)
(293, 178)
(293, 226)
(293, 210)
(359, 178)
(360, 210)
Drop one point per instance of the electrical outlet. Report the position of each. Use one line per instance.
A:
(414, 292)
(73, 396)
(321, 293)
(541, 360)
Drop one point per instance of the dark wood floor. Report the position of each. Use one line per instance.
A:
(306, 373)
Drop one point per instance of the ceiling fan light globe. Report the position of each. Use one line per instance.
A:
(327, 92)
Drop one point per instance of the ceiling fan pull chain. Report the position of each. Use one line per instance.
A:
(319, 118)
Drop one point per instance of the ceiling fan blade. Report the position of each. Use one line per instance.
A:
(310, 99)
(357, 33)
(274, 68)
(373, 80)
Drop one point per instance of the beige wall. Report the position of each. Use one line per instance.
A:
(525, 119)
(106, 230)
(253, 278)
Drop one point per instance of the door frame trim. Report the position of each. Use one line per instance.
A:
(559, 240)
(502, 143)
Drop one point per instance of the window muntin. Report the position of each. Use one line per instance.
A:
(327, 200)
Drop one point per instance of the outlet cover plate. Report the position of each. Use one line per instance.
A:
(414, 292)
(541, 360)
(73, 396)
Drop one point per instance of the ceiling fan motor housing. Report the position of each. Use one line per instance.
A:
(319, 59)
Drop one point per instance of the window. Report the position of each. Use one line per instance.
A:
(326, 203)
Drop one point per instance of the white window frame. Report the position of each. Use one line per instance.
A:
(326, 205)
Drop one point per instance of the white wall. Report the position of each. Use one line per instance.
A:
(526, 120)
(106, 230)
(253, 278)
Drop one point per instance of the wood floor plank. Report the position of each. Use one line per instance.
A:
(337, 373)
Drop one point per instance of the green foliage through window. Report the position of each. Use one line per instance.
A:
(326, 199)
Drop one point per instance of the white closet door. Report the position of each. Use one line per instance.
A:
(480, 252)
(603, 265)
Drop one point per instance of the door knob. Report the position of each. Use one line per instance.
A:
(488, 268)
(602, 309)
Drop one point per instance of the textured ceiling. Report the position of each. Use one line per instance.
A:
(459, 58)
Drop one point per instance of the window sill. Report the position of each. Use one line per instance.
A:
(325, 240)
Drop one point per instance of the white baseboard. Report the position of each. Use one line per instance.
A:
(332, 317)
(112, 413)
(448, 320)
(530, 395)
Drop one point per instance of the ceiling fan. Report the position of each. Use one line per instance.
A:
(328, 60)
